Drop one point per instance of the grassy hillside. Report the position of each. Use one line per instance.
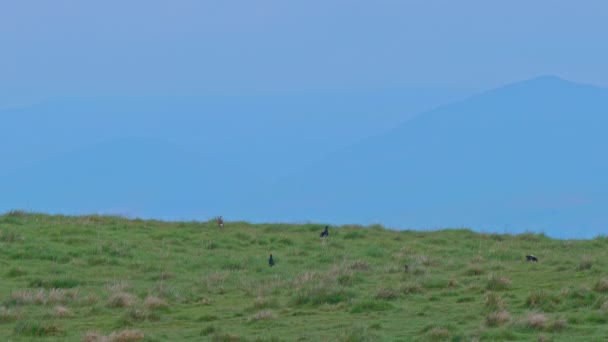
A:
(97, 278)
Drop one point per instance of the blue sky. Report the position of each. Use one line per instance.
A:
(190, 47)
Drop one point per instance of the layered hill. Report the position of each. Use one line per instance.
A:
(130, 177)
(523, 156)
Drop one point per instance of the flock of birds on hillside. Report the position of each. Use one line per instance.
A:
(325, 233)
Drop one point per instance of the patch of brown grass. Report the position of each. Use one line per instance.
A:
(262, 315)
(385, 294)
(42, 297)
(121, 300)
(359, 265)
(153, 303)
(494, 300)
(498, 282)
(601, 285)
(498, 318)
(8, 315)
(408, 288)
(536, 320)
(62, 311)
(116, 336)
(585, 264)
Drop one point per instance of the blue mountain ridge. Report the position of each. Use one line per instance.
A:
(527, 156)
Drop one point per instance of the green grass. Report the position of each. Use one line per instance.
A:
(94, 278)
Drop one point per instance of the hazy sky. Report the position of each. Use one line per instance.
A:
(202, 47)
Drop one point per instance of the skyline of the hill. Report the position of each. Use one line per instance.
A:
(519, 157)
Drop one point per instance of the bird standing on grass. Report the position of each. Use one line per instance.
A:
(271, 261)
(531, 258)
(220, 222)
(325, 233)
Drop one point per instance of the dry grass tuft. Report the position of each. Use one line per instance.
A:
(120, 286)
(305, 277)
(498, 318)
(585, 264)
(117, 336)
(601, 285)
(8, 315)
(153, 302)
(121, 300)
(359, 265)
(408, 288)
(262, 315)
(496, 282)
(386, 294)
(62, 311)
(42, 297)
(558, 324)
(425, 260)
(439, 334)
(494, 300)
(536, 320)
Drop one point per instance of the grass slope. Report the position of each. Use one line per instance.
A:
(99, 278)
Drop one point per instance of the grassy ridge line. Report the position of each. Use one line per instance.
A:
(106, 278)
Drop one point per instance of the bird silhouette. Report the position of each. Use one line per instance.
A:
(325, 233)
(531, 258)
(271, 261)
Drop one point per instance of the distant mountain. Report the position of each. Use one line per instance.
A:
(178, 157)
(267, 135)
(130, 177)
(524, 156)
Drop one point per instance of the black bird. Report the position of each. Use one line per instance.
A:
(325, 233)
(531, 258)
(271, 261)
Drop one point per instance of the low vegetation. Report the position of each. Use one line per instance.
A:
(103, 278)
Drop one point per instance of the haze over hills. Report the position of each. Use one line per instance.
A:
(252, 132)
(179, 157)
(526, 156)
